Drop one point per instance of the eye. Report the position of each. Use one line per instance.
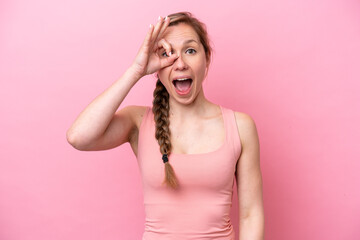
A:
(191, 50)
(164, 54)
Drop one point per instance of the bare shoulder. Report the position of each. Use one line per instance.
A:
(131, 116)
(246, 127)
(135, 112)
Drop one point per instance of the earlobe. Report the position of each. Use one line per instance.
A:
(206, 71)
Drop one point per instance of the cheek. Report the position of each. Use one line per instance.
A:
(162, 75)
(200, 64)
(164, 78)
(201, 69)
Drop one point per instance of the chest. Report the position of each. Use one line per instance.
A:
(197, 137)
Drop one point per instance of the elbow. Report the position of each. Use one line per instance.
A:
(255, 212)
(72, 139)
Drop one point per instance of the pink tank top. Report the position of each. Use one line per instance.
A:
(200, 208)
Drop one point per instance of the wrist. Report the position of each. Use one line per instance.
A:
(134, 71)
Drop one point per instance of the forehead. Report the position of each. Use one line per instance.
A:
(179, 34)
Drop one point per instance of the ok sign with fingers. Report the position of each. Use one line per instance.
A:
(148, 61)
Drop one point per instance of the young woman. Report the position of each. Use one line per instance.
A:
(201, 145)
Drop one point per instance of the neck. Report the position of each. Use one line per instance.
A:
(195, 109)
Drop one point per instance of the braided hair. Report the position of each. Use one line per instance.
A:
(161, 109)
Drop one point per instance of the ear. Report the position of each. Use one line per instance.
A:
(206, 70)
(156, 75)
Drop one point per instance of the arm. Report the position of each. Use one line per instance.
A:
(98, 126)
(249, 181)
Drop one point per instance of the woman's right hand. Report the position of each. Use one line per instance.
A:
(148, 60)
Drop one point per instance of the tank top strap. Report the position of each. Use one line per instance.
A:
(232, 132)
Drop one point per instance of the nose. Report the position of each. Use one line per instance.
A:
(180, 64)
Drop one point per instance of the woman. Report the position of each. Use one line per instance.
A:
(201, 145)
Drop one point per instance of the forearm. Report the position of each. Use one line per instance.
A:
(95, 118)
(252, 227)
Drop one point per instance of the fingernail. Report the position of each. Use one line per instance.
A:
(165, 18)
(159, 18)
(170, 53)
(150, 25)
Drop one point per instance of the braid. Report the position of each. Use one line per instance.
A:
(161, 109)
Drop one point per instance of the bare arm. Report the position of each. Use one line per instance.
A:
(249, 182)
(93, 121)
(98, 126)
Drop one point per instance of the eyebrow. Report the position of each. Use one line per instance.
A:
(189, 41)
(185, 42)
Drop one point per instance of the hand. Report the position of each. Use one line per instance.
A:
(149, 60)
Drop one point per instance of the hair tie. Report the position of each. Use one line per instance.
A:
(165, 158)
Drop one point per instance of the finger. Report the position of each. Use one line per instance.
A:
(164, 26)
(165, 62)
(157, 29)
(164, 44)
(146, 42)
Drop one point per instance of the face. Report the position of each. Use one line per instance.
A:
(190, 64)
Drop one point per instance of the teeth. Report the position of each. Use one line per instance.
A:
(182, 79)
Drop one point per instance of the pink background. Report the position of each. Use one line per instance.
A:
(294, 66)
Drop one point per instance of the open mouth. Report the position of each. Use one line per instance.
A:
(183, 85)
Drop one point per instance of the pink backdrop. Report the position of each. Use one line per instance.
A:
(294, 66)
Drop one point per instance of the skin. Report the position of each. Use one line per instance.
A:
(194, 120)
(191, 61)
